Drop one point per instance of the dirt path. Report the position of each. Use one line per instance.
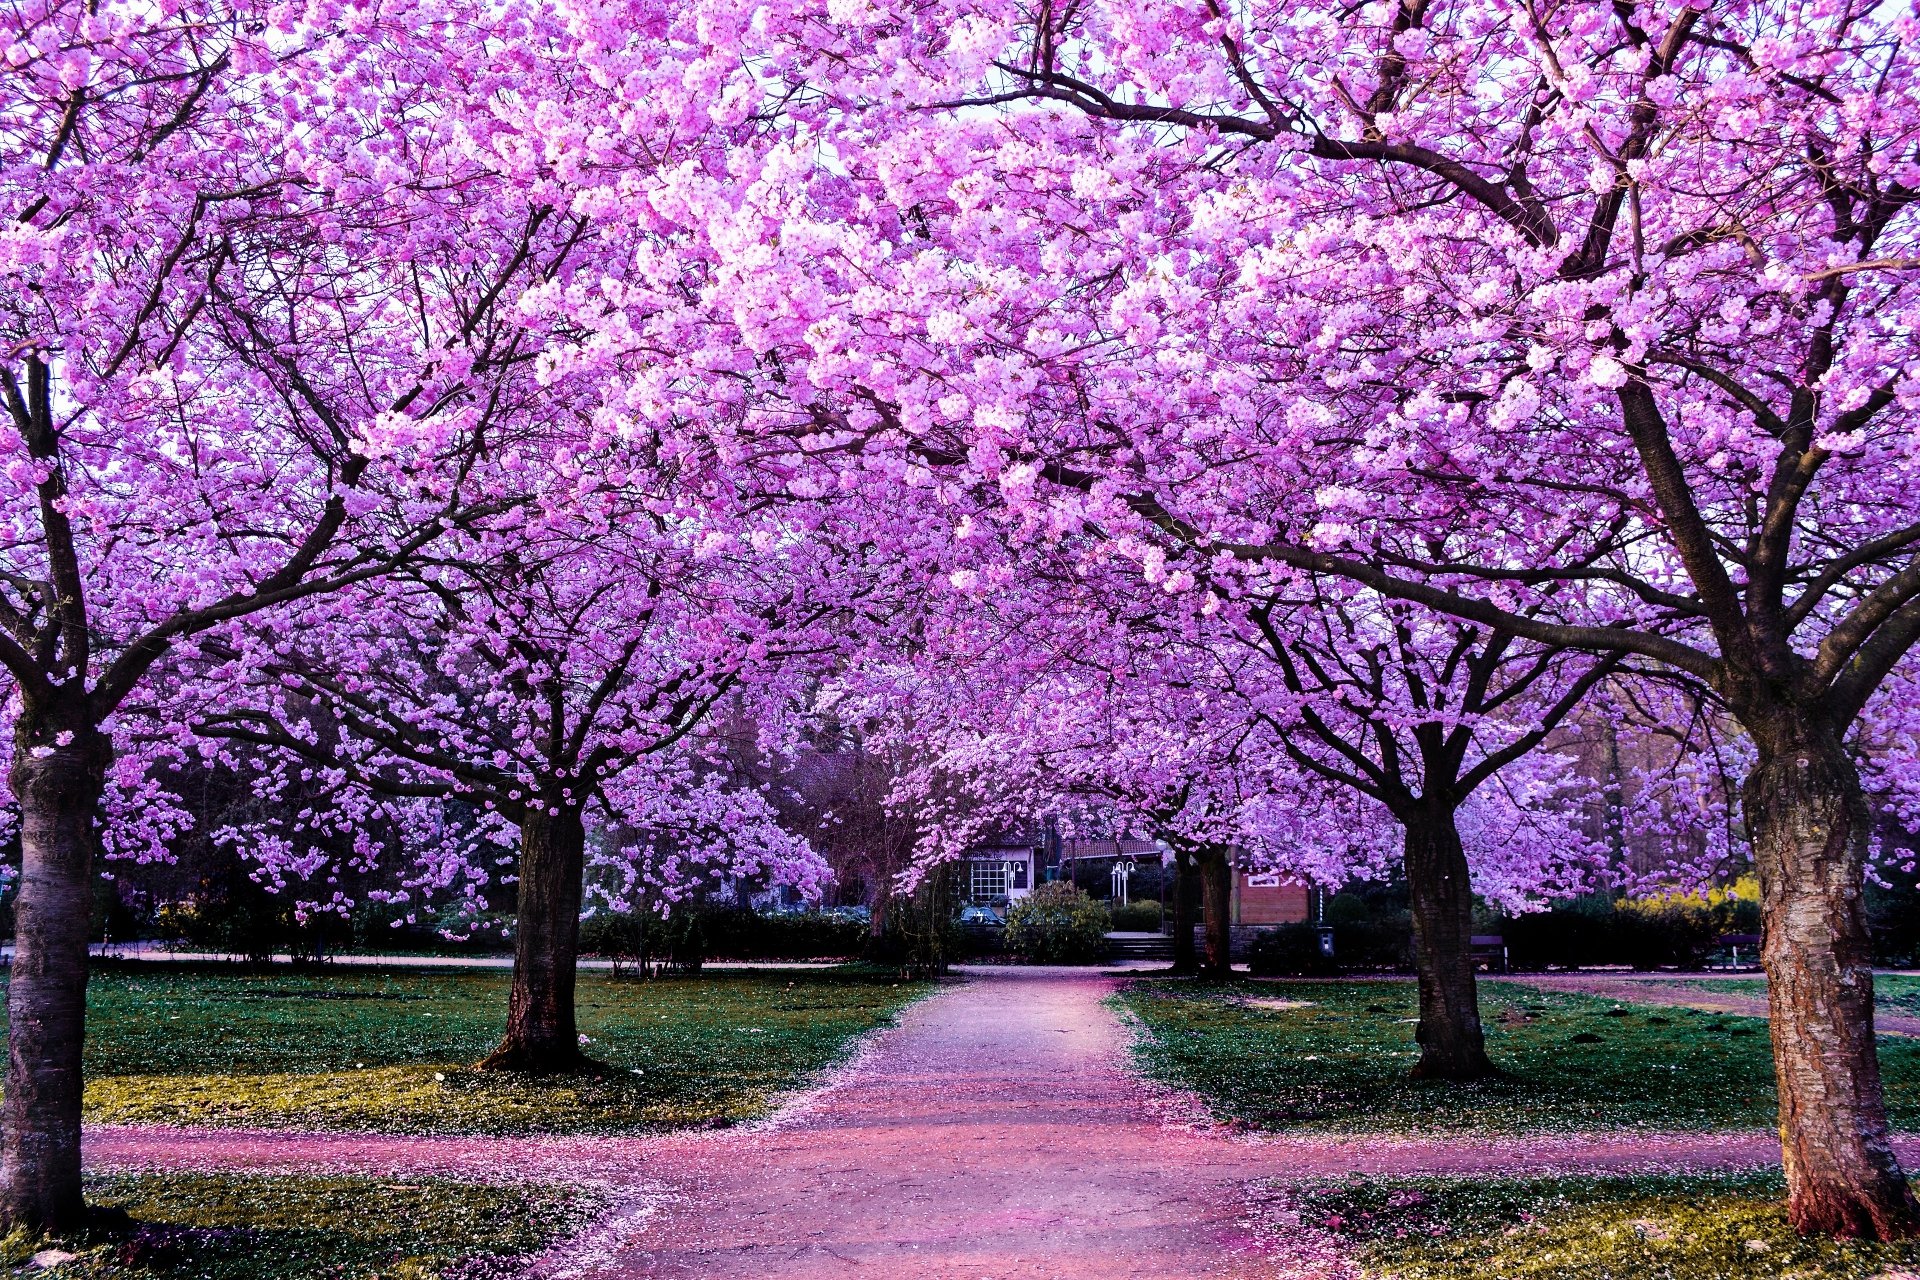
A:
(995, 1134)
(1681, 993)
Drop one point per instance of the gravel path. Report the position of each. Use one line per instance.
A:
(995, 1133)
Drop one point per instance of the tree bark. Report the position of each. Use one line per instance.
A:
(1186, 959)
(1452, 1044)
(58, 788)
(1807, 819)
(1216, 906)
(881, 896)
(541, 1034)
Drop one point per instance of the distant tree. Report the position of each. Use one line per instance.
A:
(558, 671)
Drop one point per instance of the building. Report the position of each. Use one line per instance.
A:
(1271, 899)
(1001, 871)
(1004, 869)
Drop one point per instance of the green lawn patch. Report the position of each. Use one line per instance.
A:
(1893, 993)
(1667, 1227)
(203, 1226)
(393, 1051)
(1340, 1061)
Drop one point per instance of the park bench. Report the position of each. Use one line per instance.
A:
(1489, 949)
(1733, 942)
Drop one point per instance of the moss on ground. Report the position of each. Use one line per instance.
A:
(204, 1226)
(393, 1051)
(1697, 1227)
(1341, 1061)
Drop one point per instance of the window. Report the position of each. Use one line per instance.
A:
(989, 882)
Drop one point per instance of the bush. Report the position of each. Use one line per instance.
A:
(922, 935)
(1058, 923)
(1348, 909)
(796, 935)
(643, 939)
(1136, 917)
(1373, 930)
(1381, 944)
(1289, 950)
(687, 938)
(247, 922)
(1893, 915)
(1646, 934)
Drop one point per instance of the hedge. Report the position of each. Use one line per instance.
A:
(1058, 923)
(689, 938)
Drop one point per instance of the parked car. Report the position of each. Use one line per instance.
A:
(981, 916)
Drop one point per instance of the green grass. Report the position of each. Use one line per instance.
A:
(392, 1051)
(1896, 993)
(1666, 1227)
(1893, 993)
(1572, 1062)
(203, 1226)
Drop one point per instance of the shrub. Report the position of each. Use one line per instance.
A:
(1348, 908)
(687, 938)
(1647, 933)
(1289, 950)
(645, 939)
(1136, 917)
(794, 935)
(1058, 923)
(923, 935)
(1893, 914)
(1383, 943)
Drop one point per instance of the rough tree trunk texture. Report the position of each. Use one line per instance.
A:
(1452, 1044)
(59, 790)
(1186, 958)
(1807, 818)
(1216, 906)
(541, 1035)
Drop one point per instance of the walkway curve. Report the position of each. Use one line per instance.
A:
(995, 1133)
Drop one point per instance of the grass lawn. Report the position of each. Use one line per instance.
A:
(1340, 1062)
(1893, 993)
(195, 1226)
(392, 1051)
(1700, 1227)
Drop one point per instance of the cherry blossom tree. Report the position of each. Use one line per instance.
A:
(255, 322)
(1154, 756)
(1193, 715)
(1589, 325)
(1691, 385)
(1419, 715)
(555, 670)
(840, 784)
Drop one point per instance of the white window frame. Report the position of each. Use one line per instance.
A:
(986, 873)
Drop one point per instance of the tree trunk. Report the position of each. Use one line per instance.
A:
(1808, 822)
(1186, 958)
(1452, 1044)
(541, 1035)
(1216, 906)
(58, 788)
